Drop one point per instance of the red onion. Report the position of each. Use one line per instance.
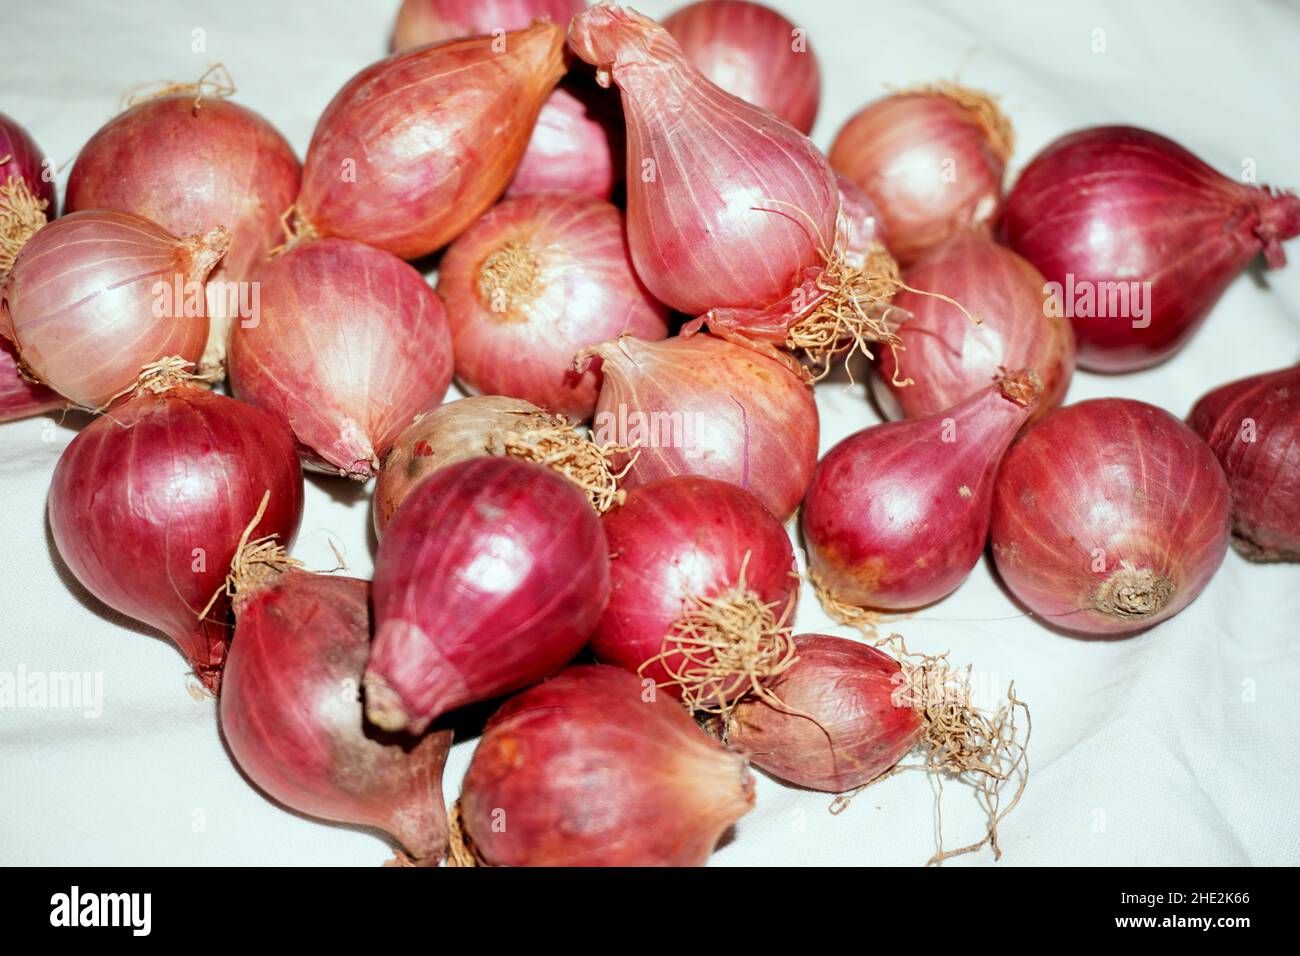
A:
(350, 345)
(491, 576)
(415, 147)
(533, 282)
(897, 514)
(96, 296)
(19, 397)
(433, 21)
(27, 196)
(577, 144)
(860, 226)
(192, 162)
(147, 506)
(1253, 426)
(1109, 516)
(291, 708)
(702, 406)
(932, 161)
(702, 586)
(947, 356)
(753, 52)
(1138, 239)
(585, 769)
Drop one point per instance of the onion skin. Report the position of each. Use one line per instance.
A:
(23, 160)
(748, 49)
(859, 730)
(351, 344)
(82, 308)
(678, 538)
(585, 769)
(726, 412)
(932, 166)
(291, 714)
(950, 358)
(147, 507)
(1253, 427)
(27, 194)
(897, 514)
(1163, 217)
(405, 197)
(20, 398)
(578, 144)
(532, 283)
(491, 576)
(1098, 485)
(432, 21)
(860, 223)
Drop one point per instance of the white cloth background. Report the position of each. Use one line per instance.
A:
(1176, 747)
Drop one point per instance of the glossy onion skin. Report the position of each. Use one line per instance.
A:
(477, 104)
(897, 514)
(291, 714)
(578, 143)
(1253, 427)
(25, 162)
(572, 286)
(1107, 479)
(712, 408)
(950, 358)
(679, 537)
(147, 507)
(748, 49)
(433, 21)
(350, 345)
(860, 223)
(588, 769)
(1164, 217)
(491, 576)
(859, 732)
(20, 398)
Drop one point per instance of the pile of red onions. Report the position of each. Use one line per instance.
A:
(491, 576)
(586, 769)
(432, 21)
(348, 346)
(704, 406)
(948, 357)
(1253, 426)
(95, 296)
(291, 710)
(1139, 238)
(931, 160)
(27, 196)
(753, 52)
(536, 280)
(372, 172)
(1109, 516)
(897, 514)
(148, 505)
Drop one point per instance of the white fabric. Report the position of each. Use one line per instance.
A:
(1175, 747)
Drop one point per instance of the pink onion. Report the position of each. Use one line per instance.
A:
(491, 576)
(147, 506)
(1139, 238)
(415, 147)
(577, 144)
(1109, 516)
(96, 296)
(349, 346)
(897, 514)
(533, 282)
(19, 397)
(860, 224)
(1253, 426)
(433, 21)
(27, 196)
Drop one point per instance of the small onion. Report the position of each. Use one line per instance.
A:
(432, 21)
(19, 397)
(577, 144)
(27, 195)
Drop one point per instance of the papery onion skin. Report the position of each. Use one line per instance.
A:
(27, 193)
(703, 406)
(948, 357)
(897, 514)
(578, 143)
(433, 21)
(860, 225)
(588, 769)
(1124, 210)
(679, 538)
(370, 173)
(532, 283)
(1109, 516)
(349, 346)
(857, 730)
(147, 507)
(753, 52)
(1253, 427)
(20, 398)
(191, 169)
(491, 576)
(932, 165)
(85, 307)
(291, 714)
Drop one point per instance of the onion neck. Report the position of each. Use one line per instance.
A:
(1279, 221)
(1133, 594)
(202, 253)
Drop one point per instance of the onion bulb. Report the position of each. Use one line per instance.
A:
(19, 396)
(577, 144)
(432, 21)
(27, 196)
